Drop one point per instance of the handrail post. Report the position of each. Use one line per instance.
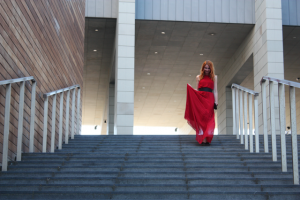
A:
(250, 124)
(272, 116)
(61, 113)
(281, 97)
(245, 119)
(233, 111)
(20, 121)
(78, 110)
(264, 115)
(53, 123)
(73, 114)
(45, 124)
(241, 117)
(256, 124)
(6, 127)
(67, 118)
(237, 113)
(32, 117)
(294, 135)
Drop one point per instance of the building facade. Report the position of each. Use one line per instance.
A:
(150, 50)
(139, 56)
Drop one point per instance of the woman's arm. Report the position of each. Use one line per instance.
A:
(198, 79)
(216, 90)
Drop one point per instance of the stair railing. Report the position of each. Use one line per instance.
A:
(293, 122)
(46, 96)
(61, 109)
(8, 84)
(240, 127)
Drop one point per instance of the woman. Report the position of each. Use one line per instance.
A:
(200, 105)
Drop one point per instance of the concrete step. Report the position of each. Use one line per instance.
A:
(103, 154)
(144, 180)
(157, 168)
(147, 163)
(169, 137)
(149, 158)
(185, 151)
(174, 195)
(166, 143)
(157, 173)
(148, 187)
(174, 147)
(157, 144)
(150, 167)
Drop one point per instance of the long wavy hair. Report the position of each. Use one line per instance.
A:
(212, 70)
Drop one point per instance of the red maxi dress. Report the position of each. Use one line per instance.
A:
(199, 110)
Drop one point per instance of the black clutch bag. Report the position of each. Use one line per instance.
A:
(215, 106)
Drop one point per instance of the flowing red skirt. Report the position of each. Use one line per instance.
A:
(199, 113)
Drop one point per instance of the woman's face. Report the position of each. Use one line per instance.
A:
(206, 70)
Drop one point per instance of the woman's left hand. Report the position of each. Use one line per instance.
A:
(215, 106)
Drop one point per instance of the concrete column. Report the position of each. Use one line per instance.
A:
(111, 110)
(265, 44)
(229, 117)
(225, 119)
(268, 51)
(124, 69)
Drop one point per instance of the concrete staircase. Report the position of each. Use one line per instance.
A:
(150, 167)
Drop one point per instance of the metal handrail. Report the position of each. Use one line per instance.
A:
(238, 112)
(282, 81)
(60, 90)
(20, 122)
(54, 94)
(244, 89)
(32, 116)
(282, 124)
(17, 80)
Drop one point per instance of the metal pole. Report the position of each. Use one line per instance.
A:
(45, 125)
(264, 115)
(294, 135)
(32, 117)
(67, 118)
(20, 121)
(237, 114)
(241, 117)
(250, 124)
(256, 124)
(272, 116)
(73, 114)
(53, 123)
(246, 119)
(233, 111)
(6, 127)
(281, 97)
(61, 113)
(78, 127)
